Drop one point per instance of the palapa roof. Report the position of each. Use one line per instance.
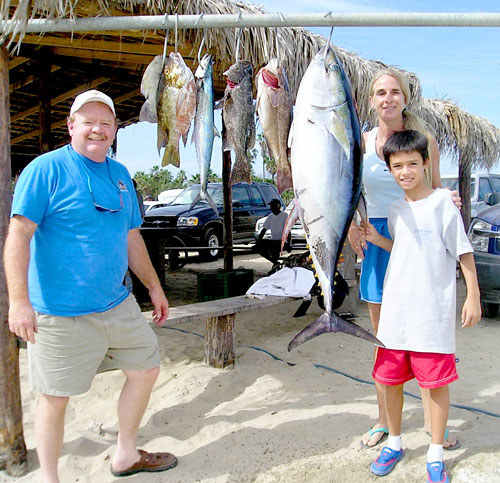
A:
(114, 62)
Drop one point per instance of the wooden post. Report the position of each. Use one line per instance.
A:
(13, 455)
(219, 341)
(43, 76)
(464, 172)
(349, 273)
(228, 204)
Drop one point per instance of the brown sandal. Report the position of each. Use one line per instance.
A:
(149, 462)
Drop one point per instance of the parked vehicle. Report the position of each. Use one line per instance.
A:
(298, 233)
(482, 184)
(484, 235)
(201, 227)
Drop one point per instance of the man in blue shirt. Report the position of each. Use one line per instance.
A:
(74, 230)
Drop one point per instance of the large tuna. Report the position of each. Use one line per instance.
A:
(204, 128)
(170, 93)
(274, 108)
(238, 115)
(326, 163)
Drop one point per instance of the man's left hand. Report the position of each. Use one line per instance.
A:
(160, 302)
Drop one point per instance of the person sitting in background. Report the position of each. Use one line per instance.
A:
(270, 249)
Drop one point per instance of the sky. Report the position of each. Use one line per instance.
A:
(460, 64)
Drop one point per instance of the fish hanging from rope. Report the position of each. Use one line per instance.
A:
(238, 116)
(274, 108)
(326, 160)
(170, 91)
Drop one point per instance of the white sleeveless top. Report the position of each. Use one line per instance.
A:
(380, 188)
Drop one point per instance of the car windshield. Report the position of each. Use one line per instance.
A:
(191, 192)
(452, 183)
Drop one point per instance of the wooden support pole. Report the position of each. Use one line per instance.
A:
(13, 455)
(44, 96)
(219, 341)
(351, 302)
(228, 204)
(464, 178)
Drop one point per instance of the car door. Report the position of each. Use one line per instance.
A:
(243, 217)
(260, 208)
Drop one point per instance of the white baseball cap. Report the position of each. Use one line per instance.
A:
(91, 96)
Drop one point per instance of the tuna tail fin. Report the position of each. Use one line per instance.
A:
(326, 323)
(204, 195)
(195, 201)
(171, 156)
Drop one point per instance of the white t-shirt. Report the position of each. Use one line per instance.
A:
(419, 300)
(380, 188)
(275, 223)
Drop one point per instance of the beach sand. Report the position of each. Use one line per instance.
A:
(266, 420)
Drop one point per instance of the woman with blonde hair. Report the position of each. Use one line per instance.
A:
(389, 94)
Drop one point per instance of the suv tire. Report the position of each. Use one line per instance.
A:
(490, 310)
(212, 238)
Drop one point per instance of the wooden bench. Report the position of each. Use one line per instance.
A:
(220, 316)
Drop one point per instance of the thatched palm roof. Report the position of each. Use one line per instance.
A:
(473, 139)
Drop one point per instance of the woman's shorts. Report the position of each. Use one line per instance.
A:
(431, 370)
(69, 351)
(374, 266)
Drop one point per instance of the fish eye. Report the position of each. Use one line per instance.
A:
(333, 66)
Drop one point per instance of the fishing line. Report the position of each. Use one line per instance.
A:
(165, 45)
(176, 29)
(336, 371)
(238, 41)
(201, 47)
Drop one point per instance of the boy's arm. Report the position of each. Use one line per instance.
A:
(373, 236)
(471, 311)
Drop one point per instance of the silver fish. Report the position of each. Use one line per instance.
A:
(326, 162)
(204, 128)
(274, 108)
(238, 115)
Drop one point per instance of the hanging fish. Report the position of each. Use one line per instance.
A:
(204, 127)
(326, 162)
(238, 115)
(274, 108)
(170, 85)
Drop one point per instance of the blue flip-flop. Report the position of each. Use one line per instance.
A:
(451, 447)
(372, 432)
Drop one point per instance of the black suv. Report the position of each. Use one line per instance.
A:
(201, 227)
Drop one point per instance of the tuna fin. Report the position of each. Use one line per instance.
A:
(171, 156)
(195, 201)
(212, 204)
(361, 209)
(148, 113)
(326, 324)
(338, 131)
(216, 132)
(293, 216)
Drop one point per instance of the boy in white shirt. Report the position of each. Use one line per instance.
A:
(417, 320)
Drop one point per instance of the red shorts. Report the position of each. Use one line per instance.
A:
(431, 370)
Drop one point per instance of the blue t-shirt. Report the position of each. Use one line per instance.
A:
(78, 255)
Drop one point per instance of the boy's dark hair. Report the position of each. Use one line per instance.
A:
(405, 141)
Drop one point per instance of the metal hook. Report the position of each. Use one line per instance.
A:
(176, 29)
(239, 17)
(238, 45)
(198, 19)
(201, 47)
(328, 45)
(277, 44)
(165, 45)
(328, 14)
(281, 17)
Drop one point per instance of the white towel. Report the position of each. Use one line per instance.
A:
(287, 282)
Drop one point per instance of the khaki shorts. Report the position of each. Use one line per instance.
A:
(69, 351)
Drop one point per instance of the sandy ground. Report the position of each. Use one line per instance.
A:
(267, 420)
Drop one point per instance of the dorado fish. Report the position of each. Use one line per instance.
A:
(274, 108)
(238, 115)
(204, 128)
(326, 163)
(170, 86)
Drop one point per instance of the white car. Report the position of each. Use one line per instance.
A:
(481, 185)
(298, 233)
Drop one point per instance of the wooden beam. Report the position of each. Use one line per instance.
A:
(63, 97)
(36, 132)
(28, 80)
(17, 61)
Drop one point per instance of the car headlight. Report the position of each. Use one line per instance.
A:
(187, 221)
(479, 242)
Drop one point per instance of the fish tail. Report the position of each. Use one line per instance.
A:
(195, 201)
(326, 323)
(241, 171)
(171, 156)
(211, 202)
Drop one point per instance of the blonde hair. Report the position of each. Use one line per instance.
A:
(410, 120)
